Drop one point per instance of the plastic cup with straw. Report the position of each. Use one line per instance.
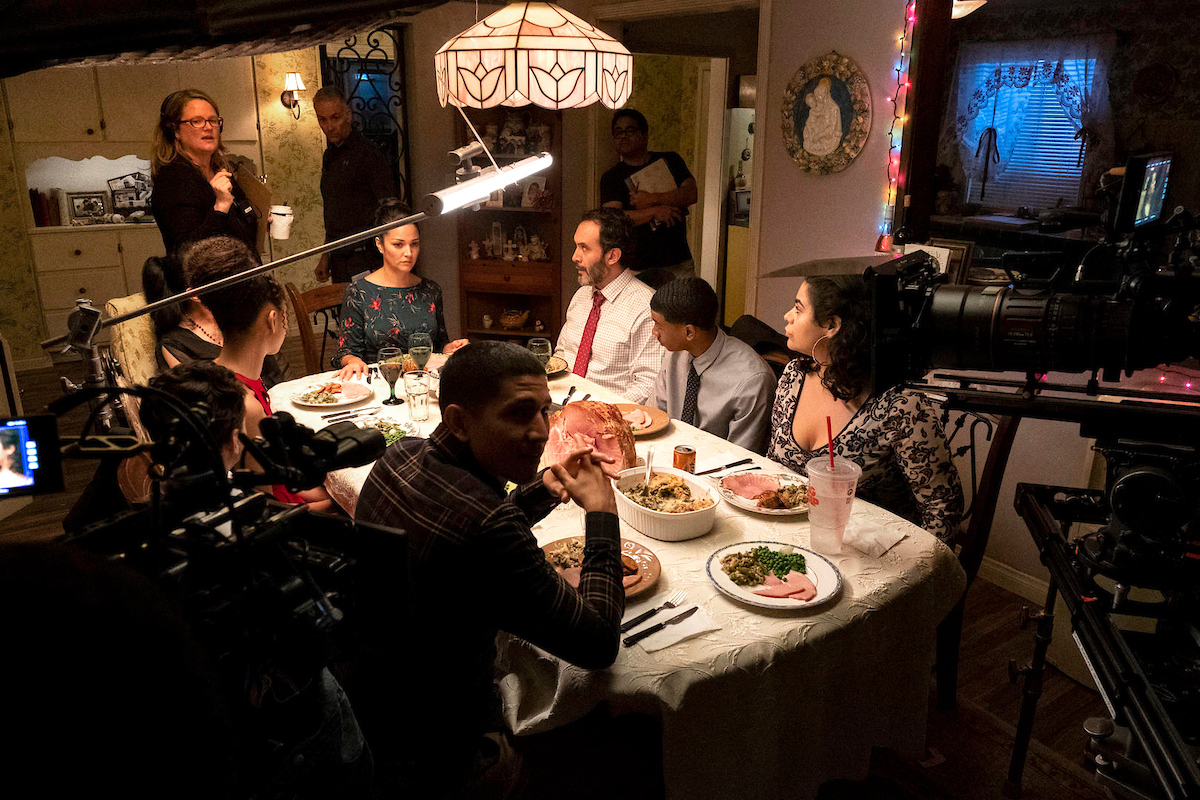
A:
(832, 483)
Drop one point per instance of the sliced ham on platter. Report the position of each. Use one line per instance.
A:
(638, 418)
(590, 423)
(749, 484)
(795, 585)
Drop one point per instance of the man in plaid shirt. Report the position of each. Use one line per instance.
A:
(474, 565)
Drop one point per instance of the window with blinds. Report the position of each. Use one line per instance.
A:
(1045, 166)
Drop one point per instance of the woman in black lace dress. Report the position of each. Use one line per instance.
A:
(895, 435)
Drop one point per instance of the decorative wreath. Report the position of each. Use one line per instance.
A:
(849, 90)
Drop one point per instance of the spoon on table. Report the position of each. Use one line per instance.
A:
(649, 463)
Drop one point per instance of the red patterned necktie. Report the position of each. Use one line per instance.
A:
(589, 333)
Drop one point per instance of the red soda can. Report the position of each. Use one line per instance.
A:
(685, 458)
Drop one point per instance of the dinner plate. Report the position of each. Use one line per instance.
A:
(407, 426)
(555, 366)
(749, 504)
(351, 393)
(648, 566)
(820, 570)
(658, 418)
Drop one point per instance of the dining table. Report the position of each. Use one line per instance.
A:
(770, 703)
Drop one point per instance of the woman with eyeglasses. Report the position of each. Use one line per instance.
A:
(195, 196)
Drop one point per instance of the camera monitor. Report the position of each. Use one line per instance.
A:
(30, 462)
(1143, 193)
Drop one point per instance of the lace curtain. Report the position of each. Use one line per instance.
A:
(990, 94)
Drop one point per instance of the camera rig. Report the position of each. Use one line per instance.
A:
(1113, 313)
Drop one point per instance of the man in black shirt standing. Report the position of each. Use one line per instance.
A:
(354, 178)
(660, 215)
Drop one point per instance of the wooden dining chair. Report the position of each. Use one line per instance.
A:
(770, 344)
(317, 309)
(970, 541)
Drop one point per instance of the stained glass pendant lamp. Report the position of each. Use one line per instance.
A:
(533, 52)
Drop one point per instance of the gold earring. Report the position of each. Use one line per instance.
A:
(814, 350)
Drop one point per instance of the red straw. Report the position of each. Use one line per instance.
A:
(829, 430)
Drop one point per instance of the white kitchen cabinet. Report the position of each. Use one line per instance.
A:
(229, 81)
(59, 104)
(130, 97)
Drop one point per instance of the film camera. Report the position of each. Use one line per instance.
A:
(1130, 304)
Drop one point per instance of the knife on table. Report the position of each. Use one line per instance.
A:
(727, 466)
(348, 414)
(637, 637)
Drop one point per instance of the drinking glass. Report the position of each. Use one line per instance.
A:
(416, 386)
(420, 347)
(391, 365)
(541, 348)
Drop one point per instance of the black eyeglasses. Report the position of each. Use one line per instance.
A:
(618, 132)
(200, 122)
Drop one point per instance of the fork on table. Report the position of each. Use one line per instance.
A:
(672, 602)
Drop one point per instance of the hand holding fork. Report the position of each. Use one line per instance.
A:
(672, 602)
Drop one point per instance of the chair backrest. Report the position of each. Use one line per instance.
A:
(770, 344)
(133, 341)
(968, 433)
(317, 306)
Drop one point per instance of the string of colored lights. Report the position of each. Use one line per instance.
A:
(896, 129)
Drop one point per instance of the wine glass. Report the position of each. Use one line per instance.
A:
(391, 365)
(541, 348)
(420, 347)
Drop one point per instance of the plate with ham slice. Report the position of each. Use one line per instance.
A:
(640, 566)
(820, 582)
(643, 419)
(765, 492)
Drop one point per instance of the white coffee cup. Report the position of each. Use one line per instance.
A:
(280, 222)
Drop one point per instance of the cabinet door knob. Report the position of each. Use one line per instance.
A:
(83, 290)
(91, 131)
(507, 278)
(78, 252)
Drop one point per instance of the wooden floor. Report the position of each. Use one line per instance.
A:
(975, 740)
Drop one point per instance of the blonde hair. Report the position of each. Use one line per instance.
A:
(170, 116)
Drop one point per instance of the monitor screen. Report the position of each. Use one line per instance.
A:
(1153, 194)
(29, 456)
(1143, 196)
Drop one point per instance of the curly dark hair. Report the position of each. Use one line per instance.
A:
(848, 372)
(616, 232)
(235, 309)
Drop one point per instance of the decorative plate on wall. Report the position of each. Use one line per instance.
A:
(826, 114)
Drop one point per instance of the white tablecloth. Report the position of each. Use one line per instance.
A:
(774, 702)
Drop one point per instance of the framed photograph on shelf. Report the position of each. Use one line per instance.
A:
(959, 263)
(531, 195)
(130, 192)
(88, 205)
(134, 180)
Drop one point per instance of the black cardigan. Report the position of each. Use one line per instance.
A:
(182, 203)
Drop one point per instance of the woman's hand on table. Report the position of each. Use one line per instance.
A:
(352, 367)
(455, 345)
(581, 477)
(222, 186)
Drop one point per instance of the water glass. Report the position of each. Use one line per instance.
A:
(541, 348)
(420, 347)
(416, 387)
(391, 365)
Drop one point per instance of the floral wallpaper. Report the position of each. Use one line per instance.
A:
(291, 157)
(20, 322)
(664, 89)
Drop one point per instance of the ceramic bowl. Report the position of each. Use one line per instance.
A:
(660, 524)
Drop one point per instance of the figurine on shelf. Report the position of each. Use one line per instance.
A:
(537, 250)
(473, 249)
(487, 248)
(539, 326)
(487, 320)
(521, 243)
(510, 251)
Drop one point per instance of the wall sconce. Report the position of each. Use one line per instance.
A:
(963, 7)
(289, 98)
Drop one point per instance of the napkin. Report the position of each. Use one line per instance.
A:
(871, 538)
(696, 624)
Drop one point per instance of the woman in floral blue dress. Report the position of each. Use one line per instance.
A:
(383, 308)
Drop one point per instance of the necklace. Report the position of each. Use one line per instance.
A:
(196, 326)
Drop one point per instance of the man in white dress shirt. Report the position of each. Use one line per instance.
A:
(608, 336)
(709, 379)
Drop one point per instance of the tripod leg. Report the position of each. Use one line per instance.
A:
(1033, 692)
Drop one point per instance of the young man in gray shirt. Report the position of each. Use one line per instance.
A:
(708, 379)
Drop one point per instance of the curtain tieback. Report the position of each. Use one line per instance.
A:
(991, 155)
(1086, 136)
